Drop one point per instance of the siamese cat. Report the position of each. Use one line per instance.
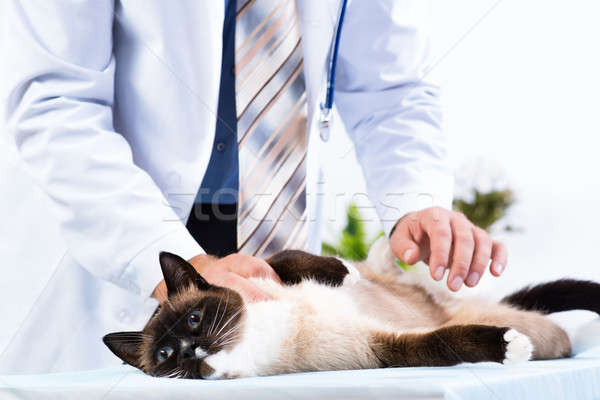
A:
(330, 314)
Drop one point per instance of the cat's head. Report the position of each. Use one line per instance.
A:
(197, 320)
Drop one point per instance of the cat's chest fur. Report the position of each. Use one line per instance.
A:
(311, 326)
(303, 324)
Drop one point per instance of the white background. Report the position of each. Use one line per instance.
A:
(520, 86)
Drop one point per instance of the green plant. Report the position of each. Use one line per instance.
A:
(352, 243)
(485, 209)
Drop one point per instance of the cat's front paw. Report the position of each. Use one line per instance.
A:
(353, 275)
(518, 347)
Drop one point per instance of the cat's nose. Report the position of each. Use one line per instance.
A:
(187, 353)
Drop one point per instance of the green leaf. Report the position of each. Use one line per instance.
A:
(485, 208)
(352, 243)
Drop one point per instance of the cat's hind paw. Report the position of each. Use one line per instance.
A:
(518, 347)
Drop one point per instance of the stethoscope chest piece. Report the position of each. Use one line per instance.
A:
(325, 124)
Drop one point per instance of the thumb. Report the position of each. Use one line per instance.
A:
(403, 245)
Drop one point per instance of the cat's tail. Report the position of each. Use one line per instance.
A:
(561, 295)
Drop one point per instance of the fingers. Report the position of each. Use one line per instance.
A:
(463, 244)
(403, 243)
(250, 292)
(248, 266)
(437, 226)
(481, 256)
(499, 258)
(259, 268)
(269, 272)
(448, 240)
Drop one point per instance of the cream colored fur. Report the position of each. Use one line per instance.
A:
(311, 326)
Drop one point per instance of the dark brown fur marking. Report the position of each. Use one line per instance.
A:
(443, 347)
(293, 266)
(561, 295)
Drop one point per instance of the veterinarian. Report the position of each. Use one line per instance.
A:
(198, 127)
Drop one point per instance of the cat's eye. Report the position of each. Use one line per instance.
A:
(194, 319)
(163, 353)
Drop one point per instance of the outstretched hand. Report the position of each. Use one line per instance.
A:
(447, 240)
(232, 272)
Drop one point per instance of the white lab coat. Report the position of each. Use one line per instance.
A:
(110, 120)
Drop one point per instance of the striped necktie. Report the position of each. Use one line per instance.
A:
(272, 138)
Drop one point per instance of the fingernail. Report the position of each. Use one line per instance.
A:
(456, 283)
(472, 279)
(498, 268)
(407, 255)
(439, 273)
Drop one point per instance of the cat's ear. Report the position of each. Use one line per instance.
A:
(126, 346)
(180, 274)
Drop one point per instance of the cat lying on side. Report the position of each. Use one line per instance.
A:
(332, 315)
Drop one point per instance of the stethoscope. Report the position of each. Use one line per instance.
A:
(327, 103)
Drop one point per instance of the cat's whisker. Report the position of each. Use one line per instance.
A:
(179, 373)
(224, 311)
(230, 340)
(222, 342)
(229, 332)
(212, 325)
(230, 337)
(229, 320)
(233, 331)
(170, 373)
(225, 344)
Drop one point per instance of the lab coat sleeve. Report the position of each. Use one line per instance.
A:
(391, 114)
(58, 82)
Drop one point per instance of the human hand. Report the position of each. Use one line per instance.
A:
(447, 239)
(231, 272)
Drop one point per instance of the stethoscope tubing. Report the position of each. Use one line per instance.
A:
(335, 45)
(327, 104)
